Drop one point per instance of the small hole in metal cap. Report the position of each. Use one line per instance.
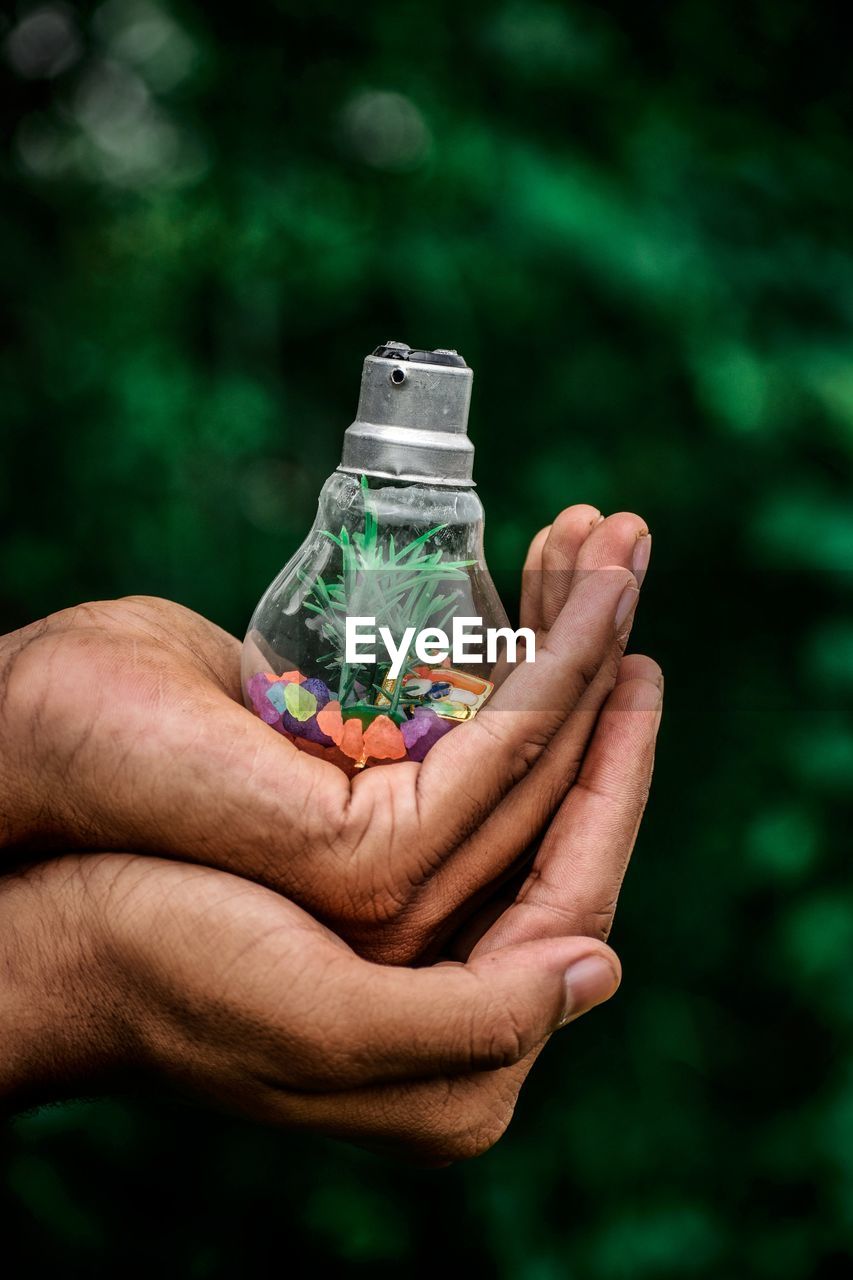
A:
(398, 377)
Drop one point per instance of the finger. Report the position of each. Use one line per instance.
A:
(547, 574)
(551, 557)
(576, 877)
(476, 1017)
(430, 1122)
(531, 582)
(503, 835)
(622, 538)
(224, 972)
(579, 542)
(567, 535)
(483, 759)
(460, 942)
(435, 1120)
(345, 1022)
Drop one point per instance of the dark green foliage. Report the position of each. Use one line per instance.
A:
(635, 222)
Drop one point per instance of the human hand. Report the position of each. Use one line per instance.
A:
(126, 969)
(122, 727)
(122, 967)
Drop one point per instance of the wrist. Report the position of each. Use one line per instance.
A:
(58, 1029)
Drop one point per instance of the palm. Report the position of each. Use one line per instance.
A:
(391, 860)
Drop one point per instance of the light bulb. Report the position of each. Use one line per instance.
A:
(350, 652)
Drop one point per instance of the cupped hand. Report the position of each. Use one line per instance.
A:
(152, 972)
(122, 726)
(126, 968)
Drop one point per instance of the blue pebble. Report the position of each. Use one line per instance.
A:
(275, 694)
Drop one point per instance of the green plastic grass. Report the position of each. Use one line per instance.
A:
(399, 586)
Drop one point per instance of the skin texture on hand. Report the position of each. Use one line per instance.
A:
(122, 727)
(222, 989)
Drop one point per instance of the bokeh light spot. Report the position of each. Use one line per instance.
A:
(44, 43)
(386, 130)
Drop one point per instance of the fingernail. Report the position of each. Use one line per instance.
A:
(627, 601)
(649, 693)
(641, 557)
(588, 982)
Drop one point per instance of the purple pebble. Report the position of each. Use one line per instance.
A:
(311, 730)
(414, 729)
(319, 690)
(423, 731)
(257, 688)
(292, 725)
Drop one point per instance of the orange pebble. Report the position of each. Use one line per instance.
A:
(332, 754)
(383, 740)
(352, 739)
(289, 677)
(329, 720)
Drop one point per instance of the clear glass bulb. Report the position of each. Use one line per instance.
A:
(406, 555)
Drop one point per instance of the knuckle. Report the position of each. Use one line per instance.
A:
(518, 756)
(500, 1042)
(529, 751)
(157, 603)
(609, 668)
(586, 671)
(28, 686)
(86, 615)
(597, 923)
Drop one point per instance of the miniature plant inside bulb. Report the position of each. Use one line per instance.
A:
(350, 652)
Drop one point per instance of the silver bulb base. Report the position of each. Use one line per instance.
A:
(412, 419)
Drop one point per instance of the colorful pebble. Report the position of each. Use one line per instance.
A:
(352, 740)
(319, 689)
(275, 695)
(258, 687)
(305, 712)
(383, 740)
(423, 731)
(299, 701)
(330, 721)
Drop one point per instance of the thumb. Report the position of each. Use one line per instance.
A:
(386, 1023)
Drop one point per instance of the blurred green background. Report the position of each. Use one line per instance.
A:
(635, 222)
